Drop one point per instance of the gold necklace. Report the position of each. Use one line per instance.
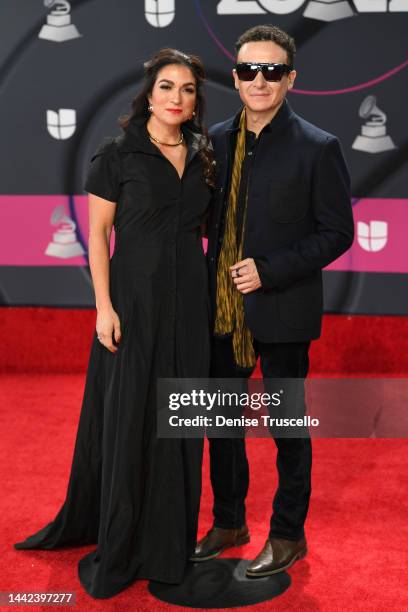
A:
(168, 144)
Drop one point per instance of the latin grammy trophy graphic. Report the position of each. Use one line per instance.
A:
(373, 137)
(64, 242)
(58, 27)
(328, 10)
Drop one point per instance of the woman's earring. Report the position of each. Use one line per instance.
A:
(150, 107)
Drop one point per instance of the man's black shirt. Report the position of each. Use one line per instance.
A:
(251, 142)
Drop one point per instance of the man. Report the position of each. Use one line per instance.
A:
(287, 215)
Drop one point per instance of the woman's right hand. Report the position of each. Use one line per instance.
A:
(107, 328)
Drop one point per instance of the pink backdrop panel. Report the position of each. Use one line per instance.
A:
(379, 224)
(380, 243)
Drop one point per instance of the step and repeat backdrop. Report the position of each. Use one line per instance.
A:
(69, 69)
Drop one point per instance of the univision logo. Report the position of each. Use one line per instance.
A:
(160, 13)
(373, 236)
(323, 10)
(61, 124)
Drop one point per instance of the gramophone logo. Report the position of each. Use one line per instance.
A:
(373, 137)
(372, 236)
(58, 27)
(61, 124)
(64, 242)
(160, 13)
(323, 10)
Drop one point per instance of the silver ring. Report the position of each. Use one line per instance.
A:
(237, 272)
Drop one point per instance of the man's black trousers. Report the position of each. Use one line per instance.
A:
(229, 464)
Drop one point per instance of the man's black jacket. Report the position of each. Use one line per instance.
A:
(299, 219)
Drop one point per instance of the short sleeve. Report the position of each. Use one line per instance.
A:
(103, 178)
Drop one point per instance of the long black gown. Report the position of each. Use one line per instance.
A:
(133, 494)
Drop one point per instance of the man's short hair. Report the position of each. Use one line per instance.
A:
(269, 32)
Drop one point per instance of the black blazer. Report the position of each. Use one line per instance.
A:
(299, 219)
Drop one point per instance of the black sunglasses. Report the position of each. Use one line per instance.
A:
(247, 71)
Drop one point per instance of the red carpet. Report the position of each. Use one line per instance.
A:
(356, 528)
(58, 340)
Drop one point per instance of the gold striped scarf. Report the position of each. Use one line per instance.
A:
(230, 302)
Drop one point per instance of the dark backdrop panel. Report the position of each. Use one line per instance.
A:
(340, 63)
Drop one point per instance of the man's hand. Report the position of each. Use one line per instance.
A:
(245, 275)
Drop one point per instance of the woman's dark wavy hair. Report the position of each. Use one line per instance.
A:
(140, 103)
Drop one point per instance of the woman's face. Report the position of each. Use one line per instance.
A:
(174, 94)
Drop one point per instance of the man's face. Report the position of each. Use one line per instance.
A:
(260, 95)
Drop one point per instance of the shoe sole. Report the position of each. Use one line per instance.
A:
(300, 555)
(239, 542)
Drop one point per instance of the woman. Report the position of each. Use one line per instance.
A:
(132, 493)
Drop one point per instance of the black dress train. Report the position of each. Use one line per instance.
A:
(133, 494)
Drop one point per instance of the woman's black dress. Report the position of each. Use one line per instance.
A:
(133, 494)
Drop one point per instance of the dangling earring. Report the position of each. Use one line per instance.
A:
(193, 115)
(150, 107)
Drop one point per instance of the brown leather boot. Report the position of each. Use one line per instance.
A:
(217, 540)
(276, 556)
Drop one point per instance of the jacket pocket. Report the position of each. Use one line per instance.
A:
(287, 202)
